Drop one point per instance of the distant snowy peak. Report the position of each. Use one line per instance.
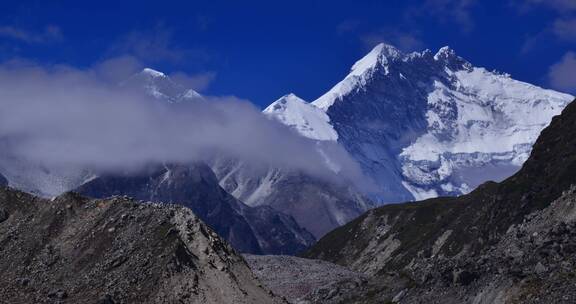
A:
(304, 117)
(153, 73)
(161, 87)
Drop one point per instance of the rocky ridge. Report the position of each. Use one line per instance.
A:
(77, 250)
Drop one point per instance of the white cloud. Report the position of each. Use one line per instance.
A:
(65, 118)
(562, 6)
(454, 11)
(197, 82)
(403, 40)
(154, 46)
(562, 75)
(565, 28)
(48, 34)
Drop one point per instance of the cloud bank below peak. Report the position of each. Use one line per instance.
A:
(62, 117)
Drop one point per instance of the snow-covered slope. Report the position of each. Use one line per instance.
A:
(424, 124)
(304, 117)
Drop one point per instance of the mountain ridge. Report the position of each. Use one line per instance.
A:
(81, 250)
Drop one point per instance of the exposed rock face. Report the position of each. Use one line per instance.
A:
(78, 250)
(533, 263)
(248, 229)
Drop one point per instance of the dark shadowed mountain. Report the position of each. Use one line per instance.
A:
(78, 250)
(248, 229)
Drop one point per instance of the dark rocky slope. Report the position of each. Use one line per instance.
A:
(249, 229)
(78, 250)
(297, 278)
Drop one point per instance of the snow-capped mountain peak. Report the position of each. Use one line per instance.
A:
(153, 73)
(443, 124)
(445, 52)
(380, 55)
(161, 86)
(451, 60)
(304, 117)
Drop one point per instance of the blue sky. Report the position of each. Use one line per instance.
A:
(260, 50)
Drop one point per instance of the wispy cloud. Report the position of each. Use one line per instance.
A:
(348, 26)
(561, 6)
(197, 82)
(562, 75)
(565, 28)
(405, 41)
(156, 45)
(562, 28)
(49, 33)
(458, 12)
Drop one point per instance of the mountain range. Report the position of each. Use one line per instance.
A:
(419, 125)
(467, 195)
